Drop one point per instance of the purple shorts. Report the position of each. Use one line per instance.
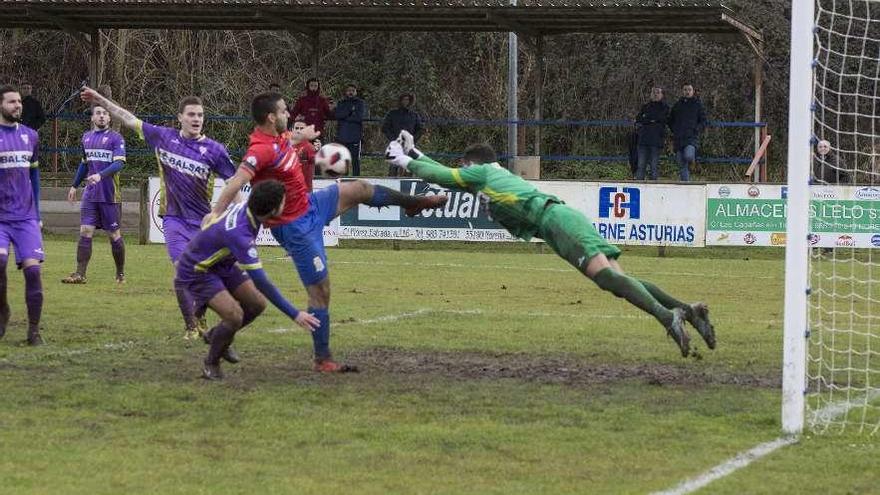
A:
(202, 287)
(103, 216)
(178, 233)
(25, 237)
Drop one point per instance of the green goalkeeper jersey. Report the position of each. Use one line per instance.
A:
(513, 202)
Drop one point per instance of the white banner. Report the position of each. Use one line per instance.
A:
(648, 214)
(264, 238)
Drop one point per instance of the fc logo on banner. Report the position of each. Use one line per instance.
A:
(614, 203)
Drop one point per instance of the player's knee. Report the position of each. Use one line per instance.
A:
(234, 318)
(362, 190)
(86, 230)
(115, 235)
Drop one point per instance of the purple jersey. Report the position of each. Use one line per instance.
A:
(18, 153)
(230, 238)
(100, 150)
(186, 168)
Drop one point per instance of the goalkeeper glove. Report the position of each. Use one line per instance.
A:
(408, 142)
(394, 155)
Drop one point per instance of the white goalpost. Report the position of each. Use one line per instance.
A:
(831, 357)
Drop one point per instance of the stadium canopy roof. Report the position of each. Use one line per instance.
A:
(535, 17)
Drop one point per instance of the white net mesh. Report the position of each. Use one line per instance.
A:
(843, 368)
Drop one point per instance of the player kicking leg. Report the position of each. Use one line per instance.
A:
(272, 154)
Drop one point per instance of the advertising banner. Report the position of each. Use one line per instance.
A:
(648, 214)
(755, 215)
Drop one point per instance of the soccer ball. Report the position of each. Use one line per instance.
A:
(333, 159)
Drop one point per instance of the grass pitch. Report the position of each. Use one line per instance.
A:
(483, 372)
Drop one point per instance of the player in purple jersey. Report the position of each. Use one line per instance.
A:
(101, 208)
(20, 210)
(207, 270)
(188, 162)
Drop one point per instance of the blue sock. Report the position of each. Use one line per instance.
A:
(385, 196)
(321, 335)
(380, 197)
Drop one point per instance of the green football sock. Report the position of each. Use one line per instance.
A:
(631, 289)
(665, 299)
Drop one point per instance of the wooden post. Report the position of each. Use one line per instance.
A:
(759, 101)
(316, 56)
(539, 91)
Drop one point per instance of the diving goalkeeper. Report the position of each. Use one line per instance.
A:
(527, 212)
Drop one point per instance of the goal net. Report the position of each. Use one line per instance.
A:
(843, 303)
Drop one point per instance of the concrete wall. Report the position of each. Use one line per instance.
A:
(61, 217)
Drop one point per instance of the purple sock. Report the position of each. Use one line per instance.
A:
(117, 246)
(83, 254)
(221, 338)
(33, 290)
(186, 305)
(4, 305)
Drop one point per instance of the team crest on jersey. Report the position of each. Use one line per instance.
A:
(175, 141)
(252, 252)
(25, 138)
(252, 161)
(202, 150)
(104, 139)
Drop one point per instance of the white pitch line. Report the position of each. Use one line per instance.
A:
(743, 459)
(739, 461)
(387, 318)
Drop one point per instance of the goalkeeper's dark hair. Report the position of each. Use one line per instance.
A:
(264, 104)
(480, 153)
(265, 197)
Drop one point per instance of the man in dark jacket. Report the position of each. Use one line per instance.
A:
(651, 123)
(350, 115)
(32, 114)
(687, 121)
(828, 167)
(312, 107)
(401, 118)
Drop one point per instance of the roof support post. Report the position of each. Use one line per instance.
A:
(539, 90)
(759, 103)
(95, 60)
(512, 90)
(316, 56)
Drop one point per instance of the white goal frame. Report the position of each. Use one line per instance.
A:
(800, 123)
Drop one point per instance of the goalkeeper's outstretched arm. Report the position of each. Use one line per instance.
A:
(426, 168)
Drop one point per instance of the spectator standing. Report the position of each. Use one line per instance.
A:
(306, 151)
(687, 121)
(32, 113)
(651, 123)
(828, 167)
(402, 118)
(312, 107)
(350, 115)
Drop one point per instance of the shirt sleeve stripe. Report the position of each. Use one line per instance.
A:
(120, 158)
(456, 174)
(139, 128)
(252, 266)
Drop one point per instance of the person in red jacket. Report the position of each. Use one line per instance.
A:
(307, 151)
(312, 107)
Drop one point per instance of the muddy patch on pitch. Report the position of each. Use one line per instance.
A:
(567, 370)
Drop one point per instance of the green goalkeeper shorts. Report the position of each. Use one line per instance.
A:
(572, 236)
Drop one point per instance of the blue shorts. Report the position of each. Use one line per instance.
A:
(303, 238)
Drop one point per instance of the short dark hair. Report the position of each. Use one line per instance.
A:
(480, 153)
(265, 197)
(351, 85)
(188, 100)
(264, 104)
(6, 88)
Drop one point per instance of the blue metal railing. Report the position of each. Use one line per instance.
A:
(72, 116)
